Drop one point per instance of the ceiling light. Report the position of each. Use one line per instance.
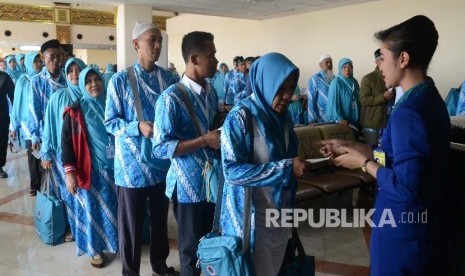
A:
(29, 48)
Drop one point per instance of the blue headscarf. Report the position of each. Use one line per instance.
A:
(14, 73)
(93, 110)
(350, 80)
(19, 67)
(29, 63)
(267, 74)
(74, 90)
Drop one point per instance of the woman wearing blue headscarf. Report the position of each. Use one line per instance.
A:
(343, 96)
(264, 160)
(20, 59)
(53, 122)
(88, 162)
(20, 114)
(11, 68)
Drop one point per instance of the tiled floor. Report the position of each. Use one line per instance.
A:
(338, 251)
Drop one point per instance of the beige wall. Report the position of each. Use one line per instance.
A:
(341, 32)
(99, 57)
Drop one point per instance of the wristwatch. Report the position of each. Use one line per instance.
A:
(364, 166)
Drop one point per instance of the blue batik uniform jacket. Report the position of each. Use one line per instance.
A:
(173, 124)
(20, 111)
(318, 87)
(43, 86)
(121, 121)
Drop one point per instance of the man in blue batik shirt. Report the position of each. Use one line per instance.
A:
(139, 187)
(44, 84)
(176, 138)
(318, 87)
(237, 83)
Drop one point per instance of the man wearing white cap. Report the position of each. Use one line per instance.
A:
(140, 187)
(318, 87)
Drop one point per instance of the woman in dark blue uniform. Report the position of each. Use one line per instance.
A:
(410, 213)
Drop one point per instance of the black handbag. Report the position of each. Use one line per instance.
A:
(297, 265)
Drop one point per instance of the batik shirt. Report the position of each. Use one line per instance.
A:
(121, 121)
(268, 172)
(43, 86)
(318, 87)
(236, 87)
(228, 80)
(174, 124)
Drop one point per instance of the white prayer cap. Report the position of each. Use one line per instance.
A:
(142, 27)
(323, 57)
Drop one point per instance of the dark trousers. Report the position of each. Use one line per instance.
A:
(132, 203)
(4, 132)
(35, 169)
(194, 221)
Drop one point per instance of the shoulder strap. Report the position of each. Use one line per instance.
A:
(135, 92)
(247, 198)
(248, 190)
(190, 108)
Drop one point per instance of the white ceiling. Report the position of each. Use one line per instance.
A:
(247, 9)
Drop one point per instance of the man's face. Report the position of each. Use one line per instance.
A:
(326, 64)
(149, 45)
(206, 61)
(241, 67)
(52, 59)
(2, 65)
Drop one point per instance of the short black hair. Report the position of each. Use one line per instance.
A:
(417, 36)
(193, 43)
(52, 43)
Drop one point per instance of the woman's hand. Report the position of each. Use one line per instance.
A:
(332, 147)
(352, 159)
(71, 183)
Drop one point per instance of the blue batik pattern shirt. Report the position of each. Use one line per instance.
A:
(318, 87)
(121, 121)
(43, 86)
(228, 80)
(174, 124)
(237, 87)
(275, 172)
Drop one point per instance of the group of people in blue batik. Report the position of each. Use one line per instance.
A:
(43, 94)
(121, 147)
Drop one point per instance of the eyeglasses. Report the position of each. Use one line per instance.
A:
(53, 56)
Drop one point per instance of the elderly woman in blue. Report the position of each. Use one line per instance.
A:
(264, 160)
(95, 217)
(343, 96)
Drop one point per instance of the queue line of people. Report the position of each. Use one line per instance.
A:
(265, 160)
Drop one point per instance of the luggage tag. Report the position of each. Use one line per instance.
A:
(380, 156)
(110, 149)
